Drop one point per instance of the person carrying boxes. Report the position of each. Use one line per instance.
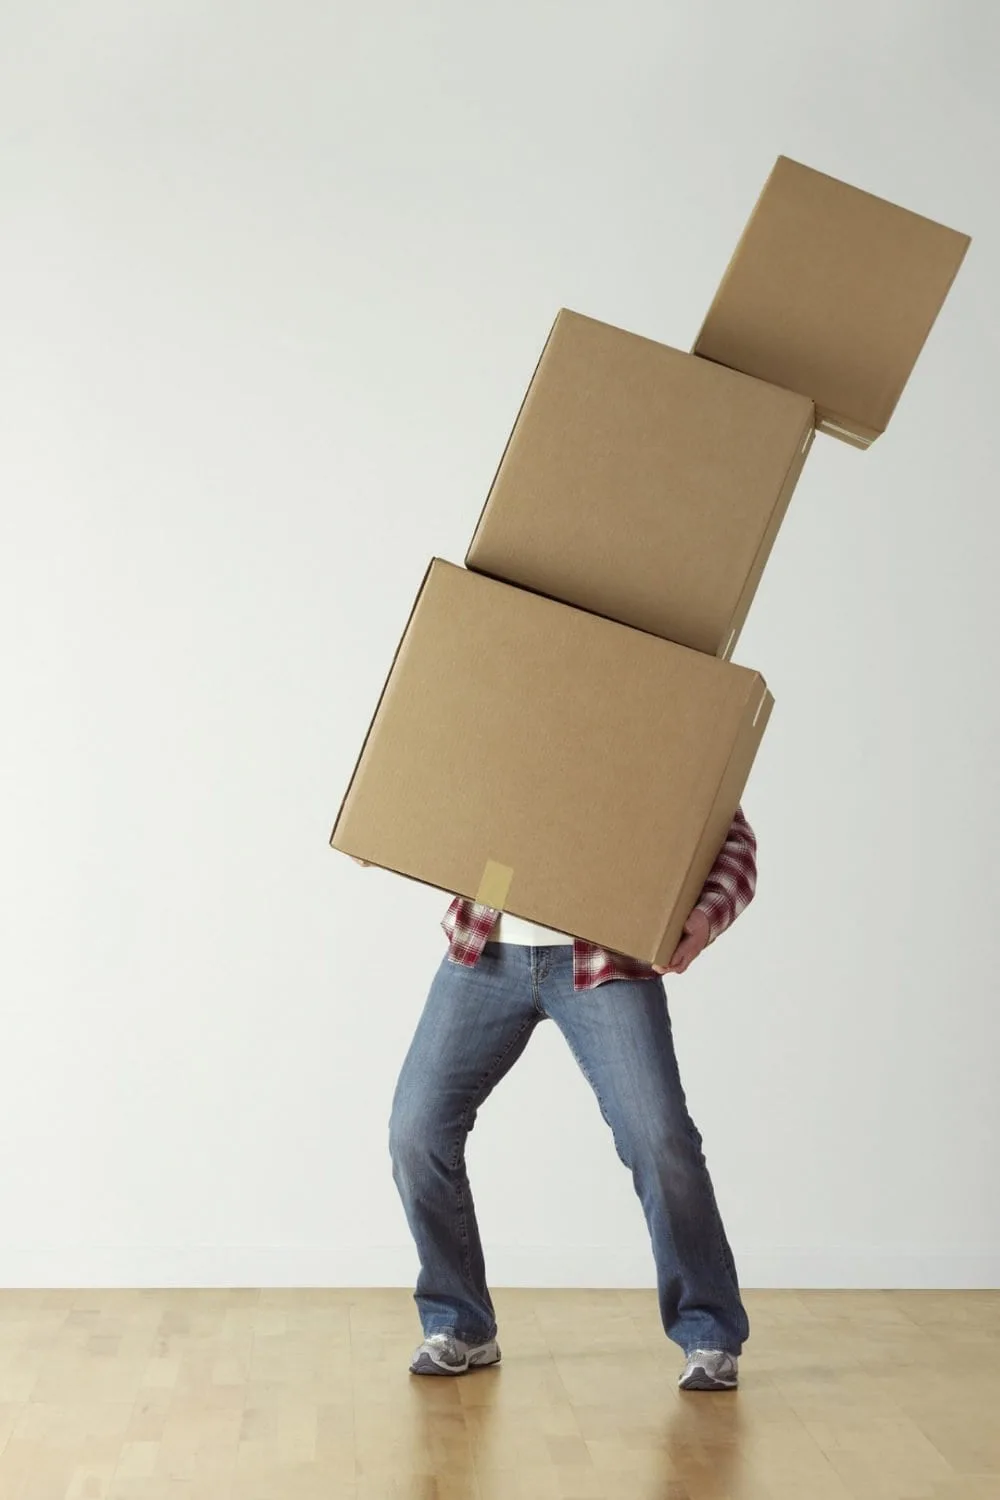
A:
(583, 660)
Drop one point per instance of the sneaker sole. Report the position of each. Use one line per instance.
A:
(424, 1364)
(702, 1382)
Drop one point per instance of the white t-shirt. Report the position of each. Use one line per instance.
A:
(508, 929)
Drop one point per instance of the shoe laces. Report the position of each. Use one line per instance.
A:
(443, 1341)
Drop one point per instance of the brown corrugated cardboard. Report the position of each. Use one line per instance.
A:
(643, 484)
(580, 773)
(832, 292)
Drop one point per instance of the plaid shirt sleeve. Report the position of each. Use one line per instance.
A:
(732, 881)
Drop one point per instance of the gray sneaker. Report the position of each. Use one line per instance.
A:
(443, 1354)
(710, 1370)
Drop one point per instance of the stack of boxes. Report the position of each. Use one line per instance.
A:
(562, 734)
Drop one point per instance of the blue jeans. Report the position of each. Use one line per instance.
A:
(475, 1026)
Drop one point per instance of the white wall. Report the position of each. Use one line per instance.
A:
(273, 278)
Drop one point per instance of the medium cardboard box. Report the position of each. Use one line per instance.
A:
(832, 292)
(551, 763)
(643, 484)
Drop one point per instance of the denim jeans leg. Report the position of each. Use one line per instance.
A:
(475, 1025)
(621, 1036)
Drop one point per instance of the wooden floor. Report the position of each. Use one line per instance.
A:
(292, 1395)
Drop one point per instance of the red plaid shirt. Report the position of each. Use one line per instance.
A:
(728, 891)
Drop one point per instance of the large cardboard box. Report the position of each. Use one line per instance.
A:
(832, 292)
(643, 484)
(553, 764)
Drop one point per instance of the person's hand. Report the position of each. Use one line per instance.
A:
(365, 864)
(695, 940)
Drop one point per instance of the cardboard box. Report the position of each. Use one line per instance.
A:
(643, 484)
(832, 292)
(553, 764)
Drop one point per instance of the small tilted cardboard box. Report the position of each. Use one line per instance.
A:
(832, 292)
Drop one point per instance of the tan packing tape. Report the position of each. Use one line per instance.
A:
(494, 886)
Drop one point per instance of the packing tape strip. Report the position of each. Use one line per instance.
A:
(825, 424)
(760, 706)
(495, 885)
